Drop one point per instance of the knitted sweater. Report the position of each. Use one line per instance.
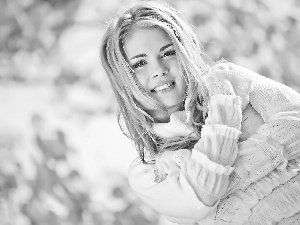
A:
(245, 167)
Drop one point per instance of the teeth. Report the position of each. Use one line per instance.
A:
(163, 87)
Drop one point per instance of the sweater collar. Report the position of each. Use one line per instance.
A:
(176, 127)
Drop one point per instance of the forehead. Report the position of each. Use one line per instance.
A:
(145, 39)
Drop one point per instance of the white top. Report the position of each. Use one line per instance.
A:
(229, 177)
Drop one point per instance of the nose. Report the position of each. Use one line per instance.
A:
(160, 69)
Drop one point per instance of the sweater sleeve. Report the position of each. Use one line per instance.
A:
(185, 185)
(279, 106)
(276, 141)
(174, 197)
(224, 116)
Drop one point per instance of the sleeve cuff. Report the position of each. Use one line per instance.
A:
(219, 143)
(225, 109)
(225, 100)
(210, 165)
(174, 197)
(220, 129)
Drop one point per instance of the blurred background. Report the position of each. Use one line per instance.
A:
(63, 159)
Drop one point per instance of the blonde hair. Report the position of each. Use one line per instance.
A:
(124, 83)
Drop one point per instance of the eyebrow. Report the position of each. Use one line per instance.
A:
(137, 56)
(161, 49)
(166, 46)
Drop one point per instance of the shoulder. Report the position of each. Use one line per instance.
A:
(233, 72)
(248, 80)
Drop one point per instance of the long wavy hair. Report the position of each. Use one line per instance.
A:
(135, 122)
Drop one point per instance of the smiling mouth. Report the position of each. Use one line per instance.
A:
(164, 87)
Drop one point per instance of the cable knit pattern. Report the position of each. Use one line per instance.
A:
(257, 164)
(246, 206)
(257, 178)
(264, 187)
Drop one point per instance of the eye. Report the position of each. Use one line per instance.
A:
(168, 53)
(139, 64)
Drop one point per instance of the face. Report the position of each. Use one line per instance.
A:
(151, 54)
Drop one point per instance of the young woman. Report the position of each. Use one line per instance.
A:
(218, 144)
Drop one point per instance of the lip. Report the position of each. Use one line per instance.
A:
(161, 83)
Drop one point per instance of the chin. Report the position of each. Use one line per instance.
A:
(173, 104)
(175, 107)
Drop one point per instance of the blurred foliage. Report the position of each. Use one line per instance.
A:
(58, 193)
(54, 44)
(260, 35)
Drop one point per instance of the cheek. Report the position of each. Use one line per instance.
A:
(175, 68)
(142, 79)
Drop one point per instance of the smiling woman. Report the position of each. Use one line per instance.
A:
(218, 144)
(152, 55)
(144, 51)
